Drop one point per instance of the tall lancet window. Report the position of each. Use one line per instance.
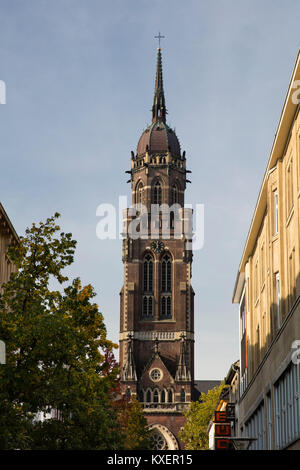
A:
(148, 286)
(166, 287)
(139, 193)
(156, 193)
(174, 194)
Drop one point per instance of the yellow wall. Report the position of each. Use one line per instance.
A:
(275, 253)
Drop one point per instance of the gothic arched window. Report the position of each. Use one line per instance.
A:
(163, 396)
(155, 396)
(166, 274)
(182, 395)
(174, 194)
(147, 306)
(148, 274)
(170, 396)
(166, 287)
(156, 193)
(148, 286)
(139, 193)
(148, 397)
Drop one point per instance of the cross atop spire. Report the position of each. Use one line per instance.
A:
(159, 106)
(159, 37)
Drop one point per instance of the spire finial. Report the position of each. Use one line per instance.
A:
(156, 343)
(159, 37)
(159, 107)
(129, 371)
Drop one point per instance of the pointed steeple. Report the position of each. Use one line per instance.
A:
(159, 106)
(183, 372)
(155, 349)
(129, 372)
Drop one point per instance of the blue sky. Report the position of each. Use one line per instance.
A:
(80, 79)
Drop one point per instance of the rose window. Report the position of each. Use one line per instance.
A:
(155, 375)
(158, 441)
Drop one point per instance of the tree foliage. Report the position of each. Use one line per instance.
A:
(58, 354)
(195, 434)
(134, 425)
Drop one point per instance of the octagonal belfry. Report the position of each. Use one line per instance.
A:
(157, 299)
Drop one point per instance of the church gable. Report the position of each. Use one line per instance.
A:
(156, 374)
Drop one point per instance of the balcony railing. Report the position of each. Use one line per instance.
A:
(165, 407)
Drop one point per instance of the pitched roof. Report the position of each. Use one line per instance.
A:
(203, 386)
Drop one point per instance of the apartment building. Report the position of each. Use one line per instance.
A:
(8, 236)
(267, 290)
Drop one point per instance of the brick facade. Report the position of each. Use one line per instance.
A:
(157, 299)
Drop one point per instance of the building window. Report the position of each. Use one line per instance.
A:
(139, 193)
(158, 441)
(270, 421)
(163, 396)
(166, 274)
(148, 286)
(182, 396)
(155, 396)
(148, 397)
(264, 338)
(256, 282)
(148, 273)
(289, 187)
(148, 306)
(277, 301)
(170, 396)
(174, 194)
(156, 375)
(287, 410)
(292, 279)
(262, 264)
(166, 287)
(243, 316)
(243, 382)
(257, 346)
(156, 193)
(166, 306)
(255, 428)
(275, 212)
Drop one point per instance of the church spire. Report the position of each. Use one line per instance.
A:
(129, 371)
(159, 106)
(183, 372)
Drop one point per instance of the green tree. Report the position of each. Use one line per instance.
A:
(57, 352)
(194, 434)
(134, 426)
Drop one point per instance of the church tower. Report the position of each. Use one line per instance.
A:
(157, 299)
